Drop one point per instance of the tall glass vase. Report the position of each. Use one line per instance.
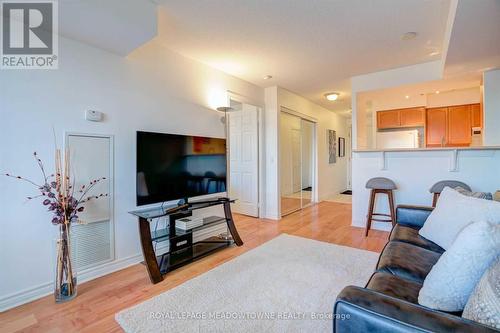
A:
(65, 278)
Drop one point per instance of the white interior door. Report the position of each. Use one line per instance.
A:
(244, 160)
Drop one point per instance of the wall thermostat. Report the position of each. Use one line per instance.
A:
(93, 115)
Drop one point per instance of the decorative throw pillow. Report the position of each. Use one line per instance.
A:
(484, 304)
(453, 212)
(452, 279)
(479, 195)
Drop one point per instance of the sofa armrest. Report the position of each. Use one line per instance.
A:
(412, 216)
(363, 310)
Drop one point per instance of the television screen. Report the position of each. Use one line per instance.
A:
(173, 167)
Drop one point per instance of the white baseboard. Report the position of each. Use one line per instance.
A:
(30, 294)
(271, 217)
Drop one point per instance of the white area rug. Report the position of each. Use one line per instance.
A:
(288, 284)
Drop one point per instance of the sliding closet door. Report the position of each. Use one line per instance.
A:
(297, 162)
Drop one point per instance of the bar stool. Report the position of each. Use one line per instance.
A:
(385, 186)
(437, 188)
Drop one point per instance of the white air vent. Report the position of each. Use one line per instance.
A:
(91, 244)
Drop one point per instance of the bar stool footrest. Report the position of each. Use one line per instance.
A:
(380, 220)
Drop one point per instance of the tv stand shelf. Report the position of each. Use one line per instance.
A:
(172, 260)
(164, 234)
(182, 249)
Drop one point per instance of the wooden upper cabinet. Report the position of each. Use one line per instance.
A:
(459, 125)
(477, 115)
(436, 127)
(412, 117)
(388, 119)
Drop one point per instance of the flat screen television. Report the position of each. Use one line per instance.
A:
(174, 167)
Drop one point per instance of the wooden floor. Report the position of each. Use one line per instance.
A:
(98, 300)
(289, 205)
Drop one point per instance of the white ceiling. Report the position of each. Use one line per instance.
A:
(119, 26)
(309, 46)
(475, 40)
(415, 91)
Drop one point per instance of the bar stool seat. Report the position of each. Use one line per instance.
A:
(437, 188)
(380, 185)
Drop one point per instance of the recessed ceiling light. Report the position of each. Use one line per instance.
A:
(435, 53)
(332, 96)
(407, 96)
(267, 77)
(437, 91)
(409, 35)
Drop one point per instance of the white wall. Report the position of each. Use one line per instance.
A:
(152, 89)
(332, 177)
(415, 172)
(491, 82)
(271, 151)
(454, 97)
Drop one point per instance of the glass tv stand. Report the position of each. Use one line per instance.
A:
(182, 249)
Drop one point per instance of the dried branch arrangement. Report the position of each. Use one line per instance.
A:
(65, 202)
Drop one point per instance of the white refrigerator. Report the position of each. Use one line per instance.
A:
(397, 139)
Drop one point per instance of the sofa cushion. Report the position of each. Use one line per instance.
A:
(410, 235)
(451, 281)
(407, 261)
(484, 303)
(394, 286)
(453, 212)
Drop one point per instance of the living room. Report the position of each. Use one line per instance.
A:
(209, 144)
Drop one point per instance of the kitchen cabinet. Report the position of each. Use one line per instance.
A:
(401, 118)
(452, 126)
(388, 119)
(459, 125)
(436, 126)
(413, 117)
(477, 115)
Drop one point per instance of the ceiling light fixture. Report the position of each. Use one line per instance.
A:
(332, 96)
(435, 53)
(409, 35)
(437, 91)
(407, 96)
(267, 77)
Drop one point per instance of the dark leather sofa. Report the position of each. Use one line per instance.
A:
(389, 302)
